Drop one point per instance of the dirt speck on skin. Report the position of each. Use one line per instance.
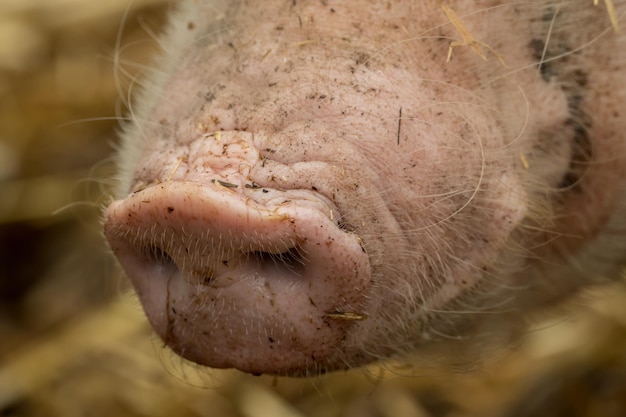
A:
(74, 341)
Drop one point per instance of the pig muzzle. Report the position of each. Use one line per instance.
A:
(234, 274)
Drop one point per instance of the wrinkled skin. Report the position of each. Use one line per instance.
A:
(310, 185)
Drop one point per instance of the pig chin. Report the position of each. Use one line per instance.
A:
(234, 273)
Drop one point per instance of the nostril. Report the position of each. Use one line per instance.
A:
(291, 260)
(155, 254)
(155, 260)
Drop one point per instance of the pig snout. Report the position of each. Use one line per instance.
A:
(247, 276)
(313, 186)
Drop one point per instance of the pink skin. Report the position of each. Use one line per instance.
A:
(312, 187)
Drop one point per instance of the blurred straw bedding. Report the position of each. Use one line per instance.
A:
(73, 339)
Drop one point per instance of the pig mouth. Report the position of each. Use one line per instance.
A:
(226, 281)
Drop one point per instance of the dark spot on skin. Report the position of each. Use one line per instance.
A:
(170, 209)
(556, 57)
(546, 69)
(580, 78)
(362, 58)
(209, 274)
(191, 25)
(399, 125)
(209, 96)
(548, 15)
(573, 81)
(270, 339)
(580, 123)
(581, 155)
(570, 180)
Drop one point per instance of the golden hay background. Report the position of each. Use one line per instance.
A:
(73, 340)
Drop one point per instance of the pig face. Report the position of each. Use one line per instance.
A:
(314, 185)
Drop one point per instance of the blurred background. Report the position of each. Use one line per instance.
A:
(73, 339)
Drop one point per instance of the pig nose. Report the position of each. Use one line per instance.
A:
(183, 243)
(207, 236)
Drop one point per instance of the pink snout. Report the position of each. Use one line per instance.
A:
(229, 282)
